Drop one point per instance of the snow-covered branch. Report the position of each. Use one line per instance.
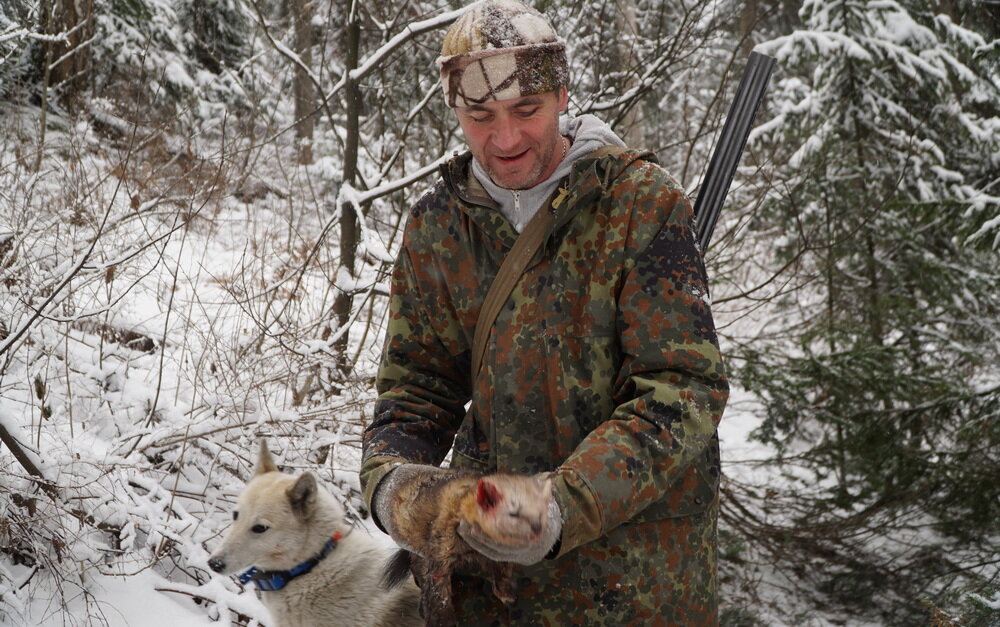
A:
(414, 29)
(17, 32)
(652, 76)
(363, 197)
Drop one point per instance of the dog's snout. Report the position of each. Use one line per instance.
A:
(217, 564)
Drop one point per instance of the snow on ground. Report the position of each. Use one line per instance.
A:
(142, 599)
(127, 601)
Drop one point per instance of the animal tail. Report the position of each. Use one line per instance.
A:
(396, 570)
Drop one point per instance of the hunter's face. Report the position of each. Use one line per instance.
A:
(517, 141)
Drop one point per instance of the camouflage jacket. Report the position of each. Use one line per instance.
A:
(603, 367)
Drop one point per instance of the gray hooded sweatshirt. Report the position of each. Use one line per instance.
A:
(587, 133)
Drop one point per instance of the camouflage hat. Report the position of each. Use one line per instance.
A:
(500, 49)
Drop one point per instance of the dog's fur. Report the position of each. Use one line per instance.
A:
(282, 521)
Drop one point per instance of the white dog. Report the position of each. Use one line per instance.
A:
(312, 567)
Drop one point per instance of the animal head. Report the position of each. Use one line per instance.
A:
(513, 508)
(279, 521)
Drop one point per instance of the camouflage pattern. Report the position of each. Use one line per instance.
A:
(602, 371)
(498, 50)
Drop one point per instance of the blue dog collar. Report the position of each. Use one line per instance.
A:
(271, 580)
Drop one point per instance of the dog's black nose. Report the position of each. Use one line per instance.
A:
(217, 564)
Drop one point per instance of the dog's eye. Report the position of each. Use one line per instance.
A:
(236, 515)
(258, 528)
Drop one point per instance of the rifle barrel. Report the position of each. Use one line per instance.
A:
(729, 149)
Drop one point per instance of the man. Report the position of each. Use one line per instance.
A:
(602, 370)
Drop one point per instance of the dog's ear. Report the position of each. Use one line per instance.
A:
(302, 495)
(265, 463)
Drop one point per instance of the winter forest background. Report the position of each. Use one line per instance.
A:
(200, 201)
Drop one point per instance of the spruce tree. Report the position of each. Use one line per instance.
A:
(883, 382)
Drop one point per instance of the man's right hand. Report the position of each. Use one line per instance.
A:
(396, 501)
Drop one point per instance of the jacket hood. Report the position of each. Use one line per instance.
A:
(587, 133)
(587, 177)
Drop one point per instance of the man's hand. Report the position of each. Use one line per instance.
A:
(525, 549)
(397, 502)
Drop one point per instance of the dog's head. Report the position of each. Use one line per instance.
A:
(279, 521)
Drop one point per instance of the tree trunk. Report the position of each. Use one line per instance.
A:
(305, 100)
(633, 123)
(349, 229)
(748, 22)
(67, 62)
